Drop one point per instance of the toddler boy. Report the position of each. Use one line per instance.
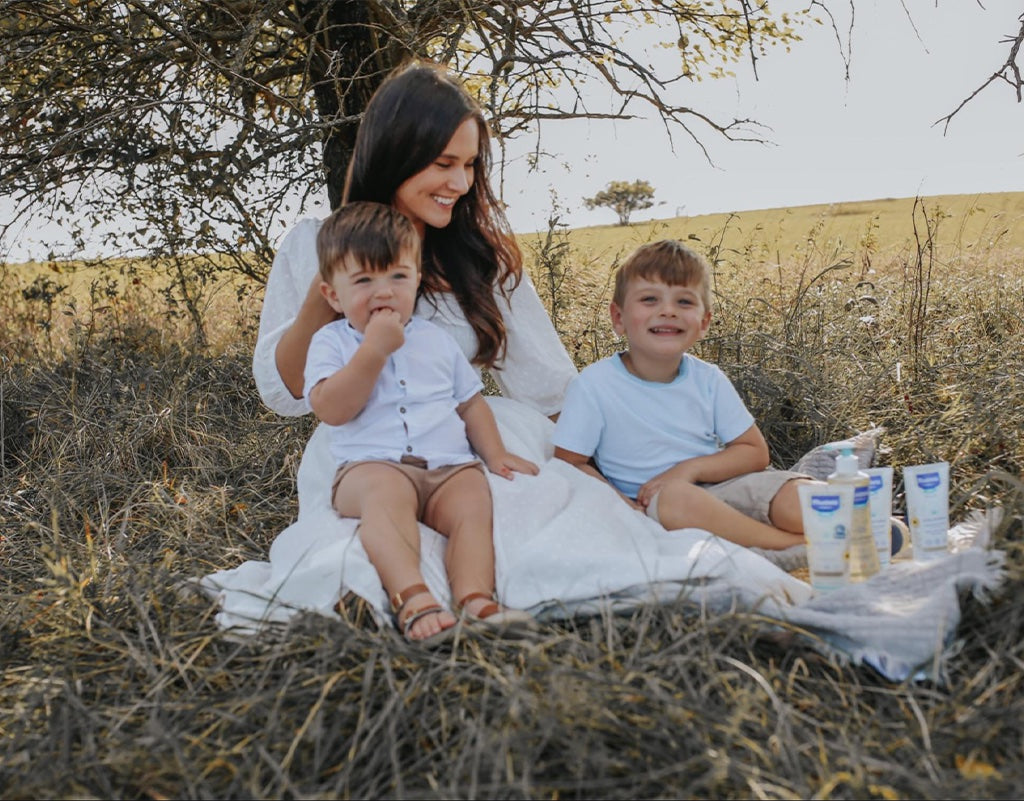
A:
(405, 407)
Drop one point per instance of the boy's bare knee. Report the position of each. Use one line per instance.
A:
(784, 510)
(681, 505)
(464, 498)
(371, 488)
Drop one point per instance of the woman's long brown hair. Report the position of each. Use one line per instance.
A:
(407, 124)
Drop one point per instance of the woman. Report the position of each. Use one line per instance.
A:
(561, 538)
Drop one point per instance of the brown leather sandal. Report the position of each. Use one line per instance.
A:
(399, 602)
(495, 617)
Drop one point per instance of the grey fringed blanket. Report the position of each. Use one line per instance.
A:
(902, 621)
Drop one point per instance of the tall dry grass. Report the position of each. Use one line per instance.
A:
(133, 460)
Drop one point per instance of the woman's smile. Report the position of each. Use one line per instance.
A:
(429, 196)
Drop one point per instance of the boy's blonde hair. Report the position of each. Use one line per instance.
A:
(374, 234)
(668, 261)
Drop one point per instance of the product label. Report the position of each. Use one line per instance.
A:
(860, 496)
(829, 562)
(928, 509)
(827, 515)
(881, 533)
(930, 533)
(825, 504)
(875, 484)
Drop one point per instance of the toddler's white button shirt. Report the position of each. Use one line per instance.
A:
(411, 410)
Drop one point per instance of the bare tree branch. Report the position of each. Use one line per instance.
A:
(1010, 72)
(205, 110)
(845, 53)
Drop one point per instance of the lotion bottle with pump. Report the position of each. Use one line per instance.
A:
(863, 554)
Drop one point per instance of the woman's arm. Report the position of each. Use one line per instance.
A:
(291, 350)
(293, 271)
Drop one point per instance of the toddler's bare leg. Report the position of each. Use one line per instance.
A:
(684, 505)
(784, 511)
(387, 503)
(461, 510)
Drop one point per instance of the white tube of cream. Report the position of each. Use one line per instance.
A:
(927, 494)
(880, 489)
(827, 512)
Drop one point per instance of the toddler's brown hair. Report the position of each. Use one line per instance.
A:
(374, 234)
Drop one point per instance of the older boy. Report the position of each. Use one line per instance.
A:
(668, 430)
(405, 407)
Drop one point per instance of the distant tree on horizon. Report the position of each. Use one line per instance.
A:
(623, 197)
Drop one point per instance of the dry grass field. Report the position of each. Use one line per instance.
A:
(875, 230)
(134, 458)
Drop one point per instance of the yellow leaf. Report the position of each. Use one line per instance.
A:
(971, 768)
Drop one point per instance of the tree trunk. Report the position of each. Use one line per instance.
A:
(353, 54)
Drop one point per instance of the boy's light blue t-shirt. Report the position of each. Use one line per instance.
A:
(636, 429)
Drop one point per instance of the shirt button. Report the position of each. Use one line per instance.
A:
(401, 409)
(408, 448)
(402, 381)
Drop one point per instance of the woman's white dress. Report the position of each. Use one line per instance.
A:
(563, 540)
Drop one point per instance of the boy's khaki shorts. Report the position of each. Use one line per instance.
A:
(425, 480)
(751, 494)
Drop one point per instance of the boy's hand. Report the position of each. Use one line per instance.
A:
(674, 475)
(508, 463)
(384, 331)
(648, 491)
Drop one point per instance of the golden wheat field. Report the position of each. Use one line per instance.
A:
(136, 455)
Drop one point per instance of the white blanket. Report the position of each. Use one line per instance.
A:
(565, 544)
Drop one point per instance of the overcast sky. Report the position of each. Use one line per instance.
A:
(832, 140)
(871, 137)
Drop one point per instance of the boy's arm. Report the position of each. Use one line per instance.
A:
(748, 453)
(581, 462)
(342, 395)
(580, 424)
(483, 434)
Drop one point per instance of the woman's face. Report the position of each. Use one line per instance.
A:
(429, 196)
